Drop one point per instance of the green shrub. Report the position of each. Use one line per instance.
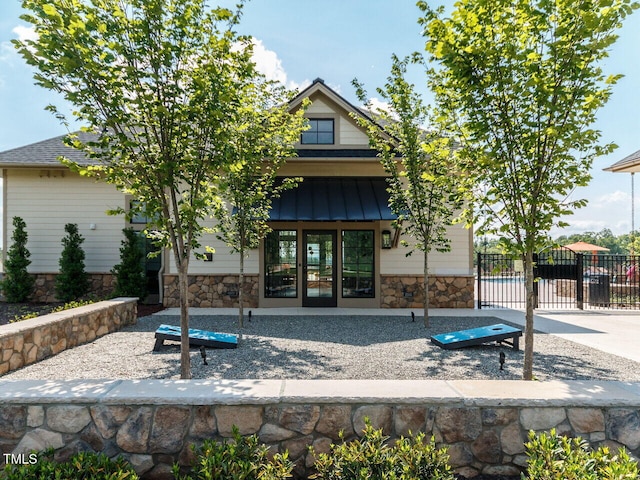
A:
(241, 458)
(82, 466)
(72, 282)
(17, 284)
(371, 457)
(555, 457)
(131, 279)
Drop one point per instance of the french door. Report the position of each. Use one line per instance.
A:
(319, 287)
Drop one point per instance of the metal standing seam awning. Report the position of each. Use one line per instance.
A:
(334, 199)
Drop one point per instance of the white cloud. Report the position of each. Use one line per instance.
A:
(268, 62)
(7, 51)
(378, 104)
(617, 197)
(25, 33)
(270, 66)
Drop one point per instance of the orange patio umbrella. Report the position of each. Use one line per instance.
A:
(585, 247)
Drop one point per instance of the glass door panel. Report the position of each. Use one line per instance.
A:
(319, 267)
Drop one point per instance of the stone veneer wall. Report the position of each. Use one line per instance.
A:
(100, 286)
(29, 341)
(152, 423)
(398, 291)
(406, 291)
(206, 291)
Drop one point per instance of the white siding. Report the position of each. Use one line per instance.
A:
(457, 261)
(47, 203)
(351, 134)
(223, 262)
(319, 107)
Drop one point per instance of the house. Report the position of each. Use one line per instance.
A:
(332, 242)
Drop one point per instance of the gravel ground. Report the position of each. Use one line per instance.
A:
(314, 347)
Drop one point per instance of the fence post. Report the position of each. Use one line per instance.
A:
(580, 281)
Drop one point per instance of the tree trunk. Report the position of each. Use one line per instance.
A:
(527, 372)
(426, 290)
(183, 285)
(240, 289)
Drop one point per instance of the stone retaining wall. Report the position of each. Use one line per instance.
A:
(207, 291)
(406, 291)
(29, 341)
(153, 423)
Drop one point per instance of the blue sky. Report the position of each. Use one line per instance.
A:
(337, 40)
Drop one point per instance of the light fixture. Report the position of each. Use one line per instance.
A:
(385, 237)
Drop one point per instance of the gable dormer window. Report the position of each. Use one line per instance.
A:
(320, 133)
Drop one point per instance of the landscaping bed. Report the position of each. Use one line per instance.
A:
(9, 311)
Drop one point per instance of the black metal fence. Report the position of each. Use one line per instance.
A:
(564, 279)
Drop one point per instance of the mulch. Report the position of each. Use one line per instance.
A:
(9, 311)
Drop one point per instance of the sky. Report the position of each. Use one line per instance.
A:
(298, 41)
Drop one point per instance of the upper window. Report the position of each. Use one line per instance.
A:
(320, 133)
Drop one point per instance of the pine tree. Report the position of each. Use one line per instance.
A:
(72, 282)
(17, 284)
(131, 280)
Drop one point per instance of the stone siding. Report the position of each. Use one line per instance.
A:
(207, 291)
(484, 424)
(406, 291)
(101, 285)
(29, 341)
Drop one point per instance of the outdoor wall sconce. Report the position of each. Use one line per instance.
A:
(208, 257)
(385, 237)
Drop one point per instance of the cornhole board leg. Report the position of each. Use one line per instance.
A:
(477, 336)
(196, 338)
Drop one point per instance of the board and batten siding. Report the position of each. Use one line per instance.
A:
(49, 199)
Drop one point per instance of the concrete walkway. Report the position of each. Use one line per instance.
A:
(612, 331)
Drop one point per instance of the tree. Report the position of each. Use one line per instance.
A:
(17, 284)
(72, 282)
(161, 84)
(523, 82)
(258, 148)
(420, 161)
(131, 280)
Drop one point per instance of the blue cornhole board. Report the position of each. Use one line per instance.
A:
(478, 336)
(196, 337)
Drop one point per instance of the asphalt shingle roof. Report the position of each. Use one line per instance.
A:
(630, 163)
(45, 153)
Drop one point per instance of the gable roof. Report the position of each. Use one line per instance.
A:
(318, 85)
(45, 153)
(629, 164)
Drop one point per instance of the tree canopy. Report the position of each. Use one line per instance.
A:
(522, 80)
(162, 85)
(420, 158)
(262, 142)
